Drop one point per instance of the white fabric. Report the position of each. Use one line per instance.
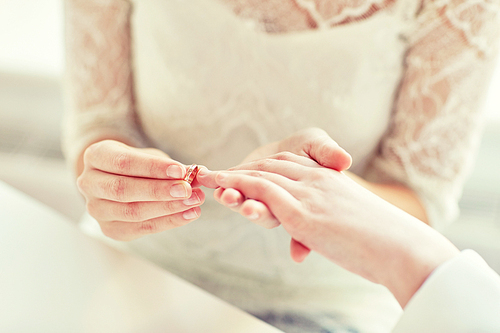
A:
(396, 83)
(462, 295)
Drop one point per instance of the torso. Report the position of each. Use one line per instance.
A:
(212, 85)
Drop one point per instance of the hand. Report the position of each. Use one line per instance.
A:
(333, 215)
(314, 144)
(133, 192)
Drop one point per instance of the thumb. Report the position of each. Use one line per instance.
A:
(328, 153)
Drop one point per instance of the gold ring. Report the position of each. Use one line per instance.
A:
(191, 173)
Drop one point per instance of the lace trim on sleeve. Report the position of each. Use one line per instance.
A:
(437, 116)
(99, 86)
(277, 16)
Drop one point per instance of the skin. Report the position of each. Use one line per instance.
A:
(319, 147)
(134, 192)
(329, 213)
(130, 192)
(137, 214)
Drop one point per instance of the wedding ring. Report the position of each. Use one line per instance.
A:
(191, 173)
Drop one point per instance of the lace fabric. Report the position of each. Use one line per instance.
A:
(99, 93)
(277, 16)
(436, 116)
(191, 71)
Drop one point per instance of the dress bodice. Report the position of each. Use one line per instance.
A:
(220, 87)
(395, 83)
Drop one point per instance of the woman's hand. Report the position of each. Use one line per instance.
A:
(133, 192)
(333, 215)
(313, 143)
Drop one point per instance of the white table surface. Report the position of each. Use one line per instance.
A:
(53, 279)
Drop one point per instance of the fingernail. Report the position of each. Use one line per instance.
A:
(179, 191)
(175, 172)
(195, 199)
(253, 216)
(190, 214)
(232, 204)
(203, 172)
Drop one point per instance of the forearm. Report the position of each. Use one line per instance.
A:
(398, 195)
(414, 252)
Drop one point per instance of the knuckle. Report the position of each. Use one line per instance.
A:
(89, 153)
(92, 208)
(154, 170)
(293, 217)
(257, 174)
(157, 190)
(284, 156)
(110, 230)
(262, 164)
(121, 162)
(149, 227)
(116, 187)
(81, 183)
(176, 221)
(132, 211)
(168, 206)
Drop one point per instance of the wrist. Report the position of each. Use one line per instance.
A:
(416, 258)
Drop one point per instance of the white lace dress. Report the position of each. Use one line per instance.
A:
(397, 83)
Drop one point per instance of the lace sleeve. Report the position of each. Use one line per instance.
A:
(436, 122)
(98, 87)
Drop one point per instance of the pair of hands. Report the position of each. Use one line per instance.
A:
(133, 192)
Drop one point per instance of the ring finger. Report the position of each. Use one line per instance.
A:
(106, 210)
(288, 165)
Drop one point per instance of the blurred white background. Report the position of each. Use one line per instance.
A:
(31, 65)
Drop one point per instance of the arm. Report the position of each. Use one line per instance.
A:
(336, 217)
(99, 83)
(130, 191)
(440, 289)
(398, 195)
(461, 295)
(435, 129)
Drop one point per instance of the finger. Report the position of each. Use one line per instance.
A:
(129, 189)
(298, 251)
(281, 203)
(196, 183)
(253, 210)
(120, 159)
(259, 214)
(289, 184)
(126, 231)
(324, 150)
(206, 178)
(218, 193)
(285, 164)
(289, 170)
(105, 210)
(231, 198)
